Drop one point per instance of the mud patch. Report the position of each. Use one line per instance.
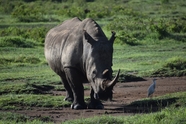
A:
(127, 100)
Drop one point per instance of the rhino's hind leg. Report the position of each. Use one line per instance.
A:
(69, 94)
(72, 76)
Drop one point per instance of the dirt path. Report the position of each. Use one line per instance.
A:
(124, 94)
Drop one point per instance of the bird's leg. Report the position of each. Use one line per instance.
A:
(151, 96)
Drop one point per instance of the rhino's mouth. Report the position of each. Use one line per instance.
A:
(105, 85)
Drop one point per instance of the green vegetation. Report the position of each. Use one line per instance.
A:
(165, 116)
(150, 41)
(13, 101)
(35, 35)
(173, 67)
(11, 118)
(174, 112)
(151, 59)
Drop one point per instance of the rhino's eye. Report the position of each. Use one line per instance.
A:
(94, 75)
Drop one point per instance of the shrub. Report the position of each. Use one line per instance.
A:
(27, 59)
(165, 1)
(7, 6)
(177, 26)
(176, 63)
(173, 67)
(75, 11)
(19, 59)
(159, 27)
(13, 31)
(127, 38)
(5, 61)
(99, 11)
(132, 29)
(37, 33)
(15, 42)
(29, 13)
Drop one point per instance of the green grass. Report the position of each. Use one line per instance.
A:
(150, 41)
(175, 66)
(21, 87)
(12, 118)
(17, 101)
(168, 115)
(143, 60)
(173, 112)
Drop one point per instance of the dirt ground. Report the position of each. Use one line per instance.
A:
(124, 94)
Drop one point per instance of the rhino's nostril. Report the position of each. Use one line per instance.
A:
(96, 96)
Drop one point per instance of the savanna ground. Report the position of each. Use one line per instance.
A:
(150, 43)
(124, 95)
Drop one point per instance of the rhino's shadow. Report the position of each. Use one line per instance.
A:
(145, 106)
(37, 89)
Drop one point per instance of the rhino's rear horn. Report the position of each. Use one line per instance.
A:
(114, 81)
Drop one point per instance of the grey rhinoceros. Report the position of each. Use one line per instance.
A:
(79, 52)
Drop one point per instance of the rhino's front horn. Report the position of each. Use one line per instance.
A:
(114, 81)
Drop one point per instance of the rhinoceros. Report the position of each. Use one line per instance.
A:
(79, 52)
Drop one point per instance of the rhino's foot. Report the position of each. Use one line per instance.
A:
(69, 99)
(78, 106)
(95, 105)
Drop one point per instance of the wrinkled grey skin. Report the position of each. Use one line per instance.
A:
(79, 52)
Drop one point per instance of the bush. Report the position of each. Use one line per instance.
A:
(12, 31)
(99, 11)
(132, 29)
(5, 61)
(7, 6)
(173, 67)
(28, 59)
(29, 13)
(19, 59)
(75, 12)
(176, 64)
(177, 26)
(160, 28)
(127, 38)
(16, 42)
(37, 34)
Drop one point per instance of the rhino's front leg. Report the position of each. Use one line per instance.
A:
(94, 103)
(74, 79)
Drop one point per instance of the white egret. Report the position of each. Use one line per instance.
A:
(151, 88)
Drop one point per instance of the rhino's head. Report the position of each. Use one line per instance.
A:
(105, 88)
(99, 51)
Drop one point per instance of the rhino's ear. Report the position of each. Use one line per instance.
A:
(113, 36)
(88, 37)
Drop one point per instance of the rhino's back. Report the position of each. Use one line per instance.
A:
(61, 29)
(57, 35)
(63, 43)
(55, 41)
